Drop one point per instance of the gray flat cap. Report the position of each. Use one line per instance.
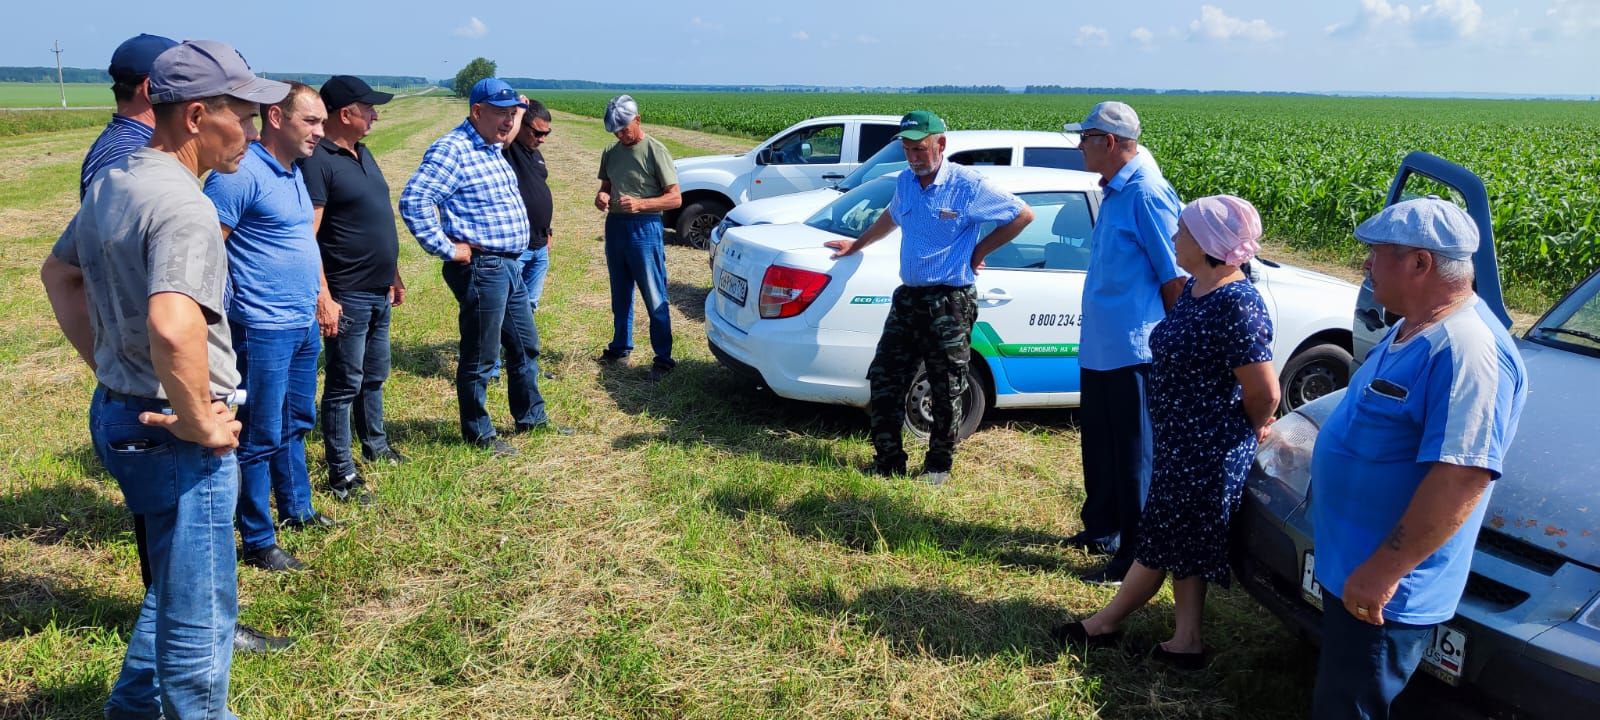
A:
(619, 112)
(1426, 223)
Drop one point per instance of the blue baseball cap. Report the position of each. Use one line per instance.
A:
(496, 92)
(133, 58)
(1427, 223)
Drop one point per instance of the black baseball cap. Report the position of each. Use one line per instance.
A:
(342, 90)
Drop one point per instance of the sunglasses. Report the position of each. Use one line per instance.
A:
(538, 133)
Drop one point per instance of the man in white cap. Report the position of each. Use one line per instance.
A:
(637, 182)
(1404, 466)
(137, 283)
(1133, 279)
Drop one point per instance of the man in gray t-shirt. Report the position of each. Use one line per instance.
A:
(136, 283)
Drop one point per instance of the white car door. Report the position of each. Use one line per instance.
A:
(1030, 295)
(798, 161)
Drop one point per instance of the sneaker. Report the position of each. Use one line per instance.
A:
(497, 447)
(544, 427)
(351, 489)
(314, 521)
(387, 456)
(272, 559)
(609, 357)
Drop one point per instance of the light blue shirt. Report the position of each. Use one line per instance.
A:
(940, 223)
(465, 191)
(1452, 393)
(1130, 258)
(273, 260)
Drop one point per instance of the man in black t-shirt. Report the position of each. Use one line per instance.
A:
(361, 281)
(526, 160)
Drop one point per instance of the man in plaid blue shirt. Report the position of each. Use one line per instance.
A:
(463, 205)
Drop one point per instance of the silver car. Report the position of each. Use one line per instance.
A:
(1525, 641)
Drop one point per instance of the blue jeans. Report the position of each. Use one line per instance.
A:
(535, 265)
(1363, 666)
(356, 366)
(279, 370)
(181, 647)
(635, 257)
(494, 315)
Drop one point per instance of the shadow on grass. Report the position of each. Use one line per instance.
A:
(688, 298)
(423, 431)
(64, 513)
(944, 623)
(434, 360)
(881, 522)
(31, 602)
(81, 699)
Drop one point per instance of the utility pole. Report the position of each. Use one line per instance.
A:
(59, 82)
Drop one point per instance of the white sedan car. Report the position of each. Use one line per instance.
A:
(793, 320)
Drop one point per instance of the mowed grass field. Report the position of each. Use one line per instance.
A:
(19, 94)
(697, 550)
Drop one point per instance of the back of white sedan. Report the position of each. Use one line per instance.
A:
(804, 325)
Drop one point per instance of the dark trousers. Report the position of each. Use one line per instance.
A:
(356, 366)
(929, 326)
(494, 316)
(1363, 666)
(1114, 422)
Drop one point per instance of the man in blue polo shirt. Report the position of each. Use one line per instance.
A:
(940, 208)
(1133, 280)
(273, 280)
(1403, 468)
(134, 122)
(463, 206)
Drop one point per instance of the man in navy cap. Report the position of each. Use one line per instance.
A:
(134, 121)
(137, 285)
(464, 207)
(1404, 466)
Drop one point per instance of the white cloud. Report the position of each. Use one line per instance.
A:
(800, 35)
(473, 29)
(1444, 20)
(1214, 24)
(1575, 18)
(1089, 35)
(1143, 36)
(703, 25)
(867, 39)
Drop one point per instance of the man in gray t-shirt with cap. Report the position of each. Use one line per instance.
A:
(136, 283)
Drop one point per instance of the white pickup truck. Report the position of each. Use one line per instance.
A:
(808, 155)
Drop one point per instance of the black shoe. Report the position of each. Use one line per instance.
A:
(497, 447)
(1093, 545)
(546, 374)
(659, 371)
(544, 427)
(885, 471)
(610, 357)
(272, 559)
(1105, 577)
(314, 521)
(351, 489)
(1187, 662)
(247, 639)
(387, 456)
(1073, 634)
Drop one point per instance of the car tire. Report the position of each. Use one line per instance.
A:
(697, 220)
(974, 403)
(1312, 373)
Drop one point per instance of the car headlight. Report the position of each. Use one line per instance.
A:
(1286, 454)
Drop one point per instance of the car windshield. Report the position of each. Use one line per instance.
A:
(1574, 324)
(856, 210)
(887, 160)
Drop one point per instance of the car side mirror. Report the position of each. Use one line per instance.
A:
(805, 150)
(764, 157)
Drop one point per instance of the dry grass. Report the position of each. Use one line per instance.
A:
(698, 550)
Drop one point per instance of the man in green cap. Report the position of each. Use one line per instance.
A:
(939, 208)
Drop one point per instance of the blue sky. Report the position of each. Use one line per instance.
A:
(1490, 46)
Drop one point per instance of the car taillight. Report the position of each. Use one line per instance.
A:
(787, 292)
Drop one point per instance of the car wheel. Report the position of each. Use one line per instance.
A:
(697, 220)
(1314, 372)
(919, 405)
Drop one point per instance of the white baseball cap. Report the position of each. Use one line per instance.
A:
(1112, 117)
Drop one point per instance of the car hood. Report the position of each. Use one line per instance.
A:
(779, 209)
(1548, 496)
(1291, 274)
(701, 161)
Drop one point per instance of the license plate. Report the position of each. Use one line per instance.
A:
(732, 286)
(1446, 656)
(1309, 587)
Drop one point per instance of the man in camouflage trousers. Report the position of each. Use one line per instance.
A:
(940, 207)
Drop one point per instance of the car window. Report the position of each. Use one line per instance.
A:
(1053, 157)
(817, 145)
(891, 158)
(856, 210)
(986, 156)
(1574, 324)
(874, 137)
(1057, 239)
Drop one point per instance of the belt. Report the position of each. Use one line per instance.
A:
(511, 254)
(233, 399)
(934, 289)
